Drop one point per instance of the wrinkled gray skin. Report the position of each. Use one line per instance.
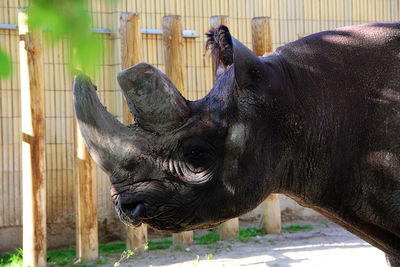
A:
(317, 120)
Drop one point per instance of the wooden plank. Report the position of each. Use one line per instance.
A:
(53, 178)
(173, 51)
(33, 146)
(339, 11)
(6, 199)
(348, 11)
(331, 14)
(187, 52)
(394, 8)
(6, 15)
(130, 49)
(2, 188)
(324, 11)
(271, 220)
(86, 210)
(261, 33)
(363, 11)
(180, 8)
(130, 55)
(356, 11)
(174, 68)
(307, 10)
(379, 10)
(299, 17)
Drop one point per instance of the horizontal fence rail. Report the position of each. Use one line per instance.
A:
(186, 33)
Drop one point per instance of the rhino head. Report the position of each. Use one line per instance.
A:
(187, 164)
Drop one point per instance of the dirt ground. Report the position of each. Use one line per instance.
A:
(326, 245)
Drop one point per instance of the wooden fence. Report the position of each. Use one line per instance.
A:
(289, 20)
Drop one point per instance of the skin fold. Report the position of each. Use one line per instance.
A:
(317, 120)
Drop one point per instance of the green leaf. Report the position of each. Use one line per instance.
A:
(86, 54)
(5, 64)
(69, 20)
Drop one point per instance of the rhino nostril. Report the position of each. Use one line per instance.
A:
(138, 212)
(131, 209)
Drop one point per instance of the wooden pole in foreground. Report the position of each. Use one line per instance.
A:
(33, 145)
(174, 68)
(230, 228)
(87, 240)
(262, 42)
(129, 30)
(86, 206)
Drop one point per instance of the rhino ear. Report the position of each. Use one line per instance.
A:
(219, 42)
(250, 72)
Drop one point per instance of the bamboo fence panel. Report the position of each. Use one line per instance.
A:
(289, 20)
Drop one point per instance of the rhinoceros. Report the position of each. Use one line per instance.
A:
(317, 120)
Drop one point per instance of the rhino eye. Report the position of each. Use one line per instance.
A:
(198, 155)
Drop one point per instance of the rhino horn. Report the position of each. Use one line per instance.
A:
(109, 142)
(249, 70)
(153, 100)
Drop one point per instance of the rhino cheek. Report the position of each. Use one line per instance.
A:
(235, 144)
(236, 137)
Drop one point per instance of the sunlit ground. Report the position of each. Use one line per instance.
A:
(323, 246)
(339, 254)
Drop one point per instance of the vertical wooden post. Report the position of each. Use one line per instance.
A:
(87, 240)
(230, 228)
(33, 145)
(174, 68)
(173, 51)
(130, 34)
(86, 206)
(261, 35)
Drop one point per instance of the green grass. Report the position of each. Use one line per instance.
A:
(63, 256)
(206, 239)
(297, 228)
(101, 260)
(12, 259)
(246, 233)
(159, 244)
(111, 248)
(179, 247)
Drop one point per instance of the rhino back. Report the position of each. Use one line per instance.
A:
(346, 88)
